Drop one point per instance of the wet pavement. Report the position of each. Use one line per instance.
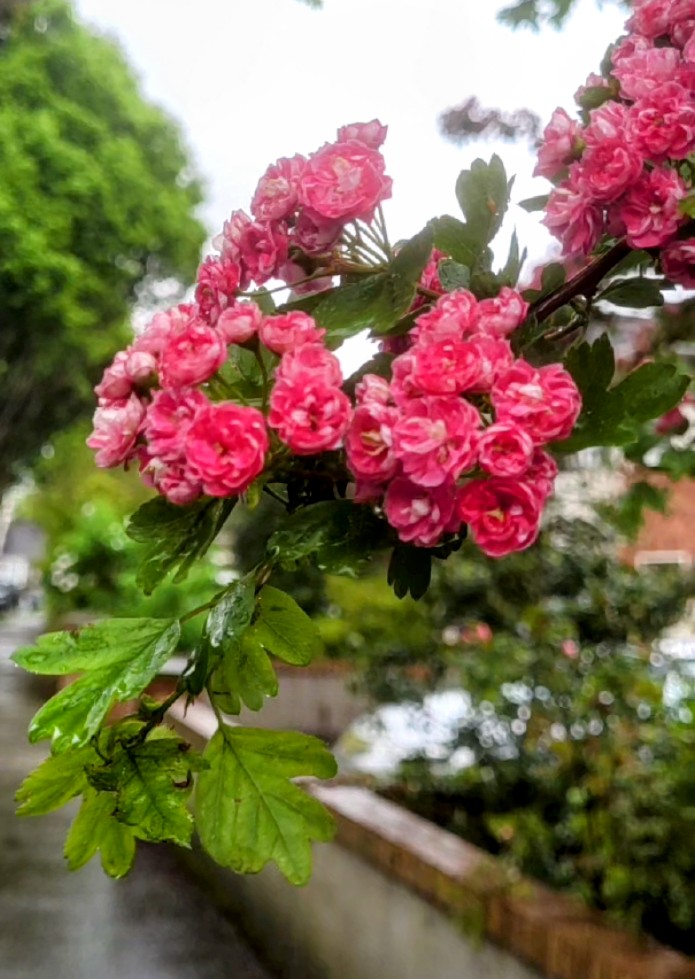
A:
(154, 924)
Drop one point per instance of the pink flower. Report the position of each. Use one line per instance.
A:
(169, 418)
(651, 19)
(285, 332)
(454, 316)
(501, 315)
(609, 121)
(678, 262)
(446, 367)
(192, 356)
(309, 416)
(315, 235)
(372, 389)
(156, 334)
(419, 514)
(607, 169)
(662, 124)
(542, 472)
(344, 181)
(650, 208)
(218, 281)
(369, 443)
(260, 247)
(673, 422)
(436, 439)
(494, 358)
(403, 387)
(239, 322)
(264, 250)
(372, 133)
(561, 145)
(543, 400)
(570, 649)
(503, 514)
(505, 449)
(571, 218)
(226, 448)
(276, 194)
(310, 364)
(115, 383)
(640, 72)
(116, 427)
(172, 480)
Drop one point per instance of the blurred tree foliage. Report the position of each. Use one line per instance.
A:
(97, 202)
(536, 13)
(579, 769)
(91, 564)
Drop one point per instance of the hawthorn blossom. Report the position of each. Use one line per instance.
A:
(226, 448)
(421, 515)
(116, 428)
(503, 514)
(344, 181)
(436, 439)
(542, 400)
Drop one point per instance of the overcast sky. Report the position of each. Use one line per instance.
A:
(252, 80)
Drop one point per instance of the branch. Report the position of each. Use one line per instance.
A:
(584, 283)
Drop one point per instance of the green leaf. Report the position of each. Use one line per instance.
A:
(612, 415)
(337, 536)
(231, 616)
(483, 193)
(225, 624)
(96, 829)
(103, 644)
(453, 275)
(58, 779)
(410, 571)
(413, 256)
(122, 656)
(635, 293)
(176, 536)
(509, 275)
(627, 515)
(244, 674)
(151, 781)
(532, 204)
(248, 812)
(455, 239)
(284, 629)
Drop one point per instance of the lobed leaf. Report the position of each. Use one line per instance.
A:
(94, 830)
(337, 536)
(284, 629)
(176, 536)
(249, 813)
(150, 781)
(118, 670)
(611, 415)
(57, 780)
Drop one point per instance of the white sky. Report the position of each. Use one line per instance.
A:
(252, 80)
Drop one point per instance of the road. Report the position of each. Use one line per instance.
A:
(154, 924)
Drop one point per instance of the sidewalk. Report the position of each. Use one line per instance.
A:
(154, 924)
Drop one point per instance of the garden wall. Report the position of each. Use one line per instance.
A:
(394, 897)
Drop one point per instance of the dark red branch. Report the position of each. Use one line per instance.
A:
(584, 283)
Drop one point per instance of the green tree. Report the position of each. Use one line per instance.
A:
(97, 201)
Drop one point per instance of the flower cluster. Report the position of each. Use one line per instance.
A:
(457, 434)
(454, 435)
(623, 171)
(155, 400)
